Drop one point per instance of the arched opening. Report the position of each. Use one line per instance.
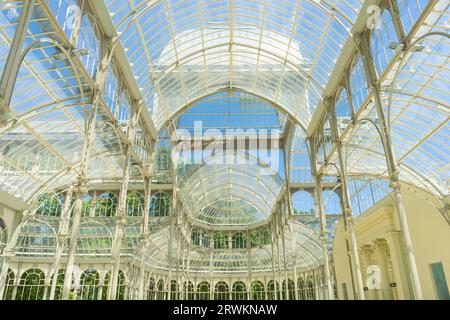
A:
(151, 295)
(135, 204)
(121, 286)
(203, 290)
(273, 290)
(159, 205)
(89, 285)
(311, 289)
(303, 203)
(301, 289)
(106, 205)
(289, 292)
(9, 285)
(31, 285)
(161, 290)
(174, 290)
(50, 205)
(221, 291)
(258, 290)
(188, 290)
(239, 291)
(239, 241)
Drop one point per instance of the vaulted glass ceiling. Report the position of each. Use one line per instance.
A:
(183, 51)
(230, 112)
(241, 194)
(283, 51)
(187, 60)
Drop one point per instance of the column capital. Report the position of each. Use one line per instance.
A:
(380, 244)
(81, 188)
(348, 215)
(3, 114)
(367, 248)
(8, 252)
(394, 183)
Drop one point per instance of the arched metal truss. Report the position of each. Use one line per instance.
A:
(91, 90)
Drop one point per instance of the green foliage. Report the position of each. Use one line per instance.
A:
(120, 286)
(31, 286)
(255, 239)
(160, 205)
(7, 294)
(49, 205)
(106, 205)
(86, 206)
(220, 241)
(239, 241)
(89, 283)
(135, 203)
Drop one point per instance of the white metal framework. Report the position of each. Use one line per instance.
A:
(94, 93)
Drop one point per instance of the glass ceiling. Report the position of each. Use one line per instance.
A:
(239, 194)
(232, 112)
(415, 97)
(283, 51)
(187, 56)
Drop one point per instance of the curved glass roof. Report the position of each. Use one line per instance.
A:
(230, 194)
(182, 51)
(281, 50)
(415, 97)
(210, 60)
(303, 251)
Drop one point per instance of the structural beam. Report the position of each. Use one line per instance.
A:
(345, 59)
(121, 218)
(348, 217)
(13, 61)
(323, 231)
(391, 164)
(100, 11)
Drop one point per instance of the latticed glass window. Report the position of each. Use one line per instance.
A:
(160, 205)
(135, 204)
(106, 205)
(220, 240)
(50, 205)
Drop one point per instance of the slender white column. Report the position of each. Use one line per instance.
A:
(359, 278)
(73, 243)
(323, 231)
(295, 283)
(80, 191)
(391, 165)
(144, 234)
(62, 235)
(286, 279)
(121, 218)
(169, 255)
(348, 218)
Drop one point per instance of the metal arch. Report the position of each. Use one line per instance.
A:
(355, 127)
(402, 63)
(135, 13)
(384, 148)
(142, 8)
(226, 88)
(73, 66)
(203, 50)
(60, 47)
(37, 193)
